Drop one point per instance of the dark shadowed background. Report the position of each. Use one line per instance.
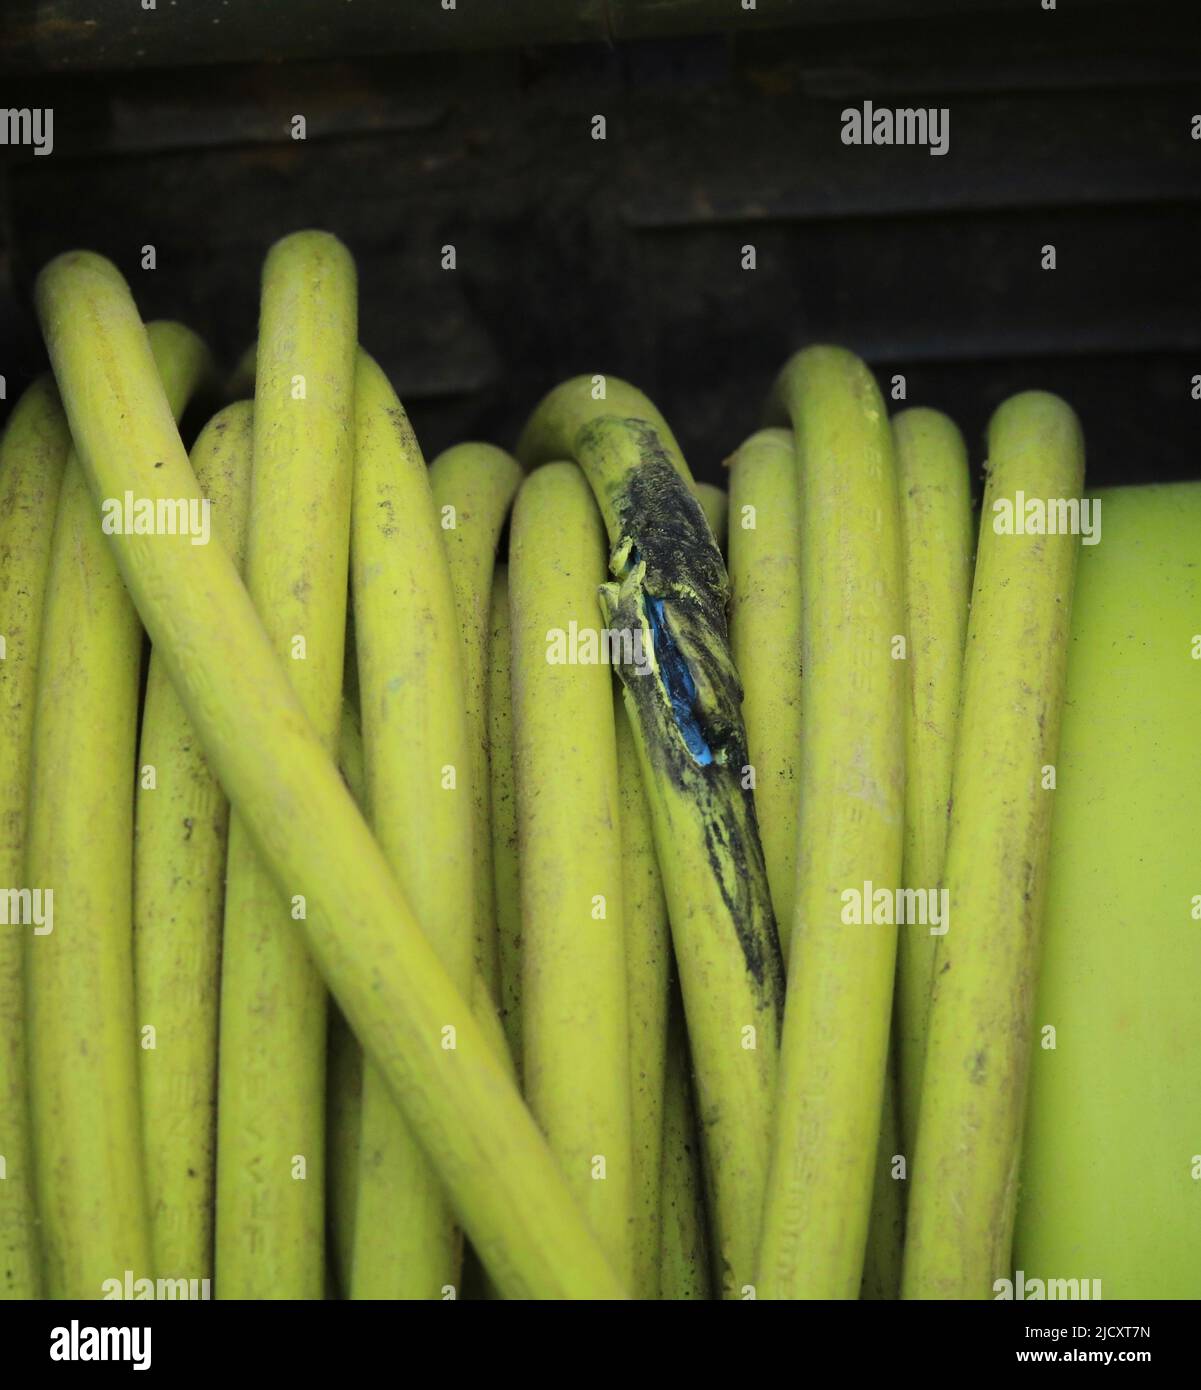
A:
(1071, 128)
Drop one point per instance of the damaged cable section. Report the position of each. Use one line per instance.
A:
(677, 680)
(684, 707)
(671, 582)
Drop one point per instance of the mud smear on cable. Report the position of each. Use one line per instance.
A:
(672, 588)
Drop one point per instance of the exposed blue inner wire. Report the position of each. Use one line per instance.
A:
(677, 679)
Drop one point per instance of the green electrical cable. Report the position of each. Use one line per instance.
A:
(573, 988)
(506, 857)
(281, 779)
(180, 825)
(937, 538)
(965, 1170)
(474, 486)
(682, 698)
(419, 794)
(271, 1090)
(840, 980)
(648, 970)
(765, 640)
(684, 1255)
(344, 1063)
(715, 503)
(33, 456)
(82, 1038)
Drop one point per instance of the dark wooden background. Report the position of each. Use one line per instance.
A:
(1071, 127)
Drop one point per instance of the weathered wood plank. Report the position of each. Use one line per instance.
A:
(82, 35)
